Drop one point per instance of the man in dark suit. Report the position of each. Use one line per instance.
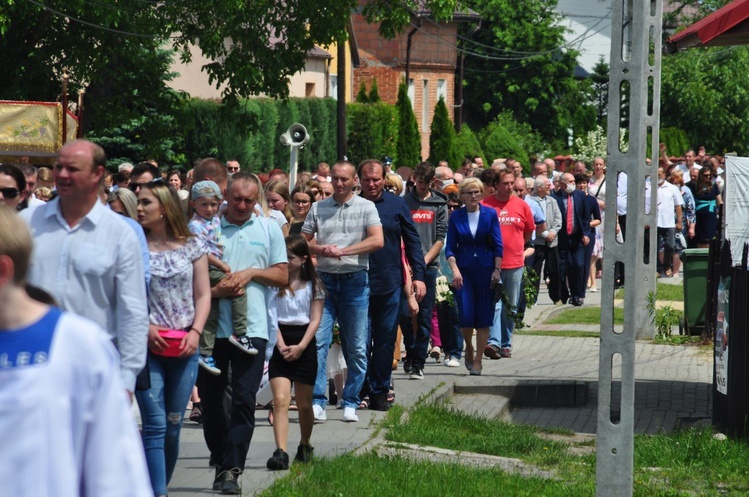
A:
(574, 236)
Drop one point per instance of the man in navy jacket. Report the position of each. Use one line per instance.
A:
(574, 236)
(386, 279)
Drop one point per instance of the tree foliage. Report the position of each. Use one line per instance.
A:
(442, 135)
(120, 51)
(498, 142)
(372, 129)
(521, 64)
(374, 93)
(704, 92)
(362, 97)
(408, 144)
(466, 145)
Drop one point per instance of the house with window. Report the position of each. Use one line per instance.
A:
(431, 57)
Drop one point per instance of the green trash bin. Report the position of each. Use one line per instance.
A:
(694, 268)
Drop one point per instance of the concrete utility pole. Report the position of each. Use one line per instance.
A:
(634, 90)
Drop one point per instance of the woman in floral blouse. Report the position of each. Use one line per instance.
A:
(179, 300)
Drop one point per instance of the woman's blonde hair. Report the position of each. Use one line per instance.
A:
(16, 243)
(471, 182)
(176, 222)
(128, 199)
(395, 181)
(44, 174)
(279, 187)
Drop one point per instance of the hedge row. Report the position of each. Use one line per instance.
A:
(251, 133)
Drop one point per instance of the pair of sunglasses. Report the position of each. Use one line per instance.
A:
(10, 192)
(135, 186)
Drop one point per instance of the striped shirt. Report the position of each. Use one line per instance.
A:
(342, 225)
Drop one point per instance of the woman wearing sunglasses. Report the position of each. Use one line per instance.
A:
(12, 183)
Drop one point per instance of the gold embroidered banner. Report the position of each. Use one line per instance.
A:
(33, 128)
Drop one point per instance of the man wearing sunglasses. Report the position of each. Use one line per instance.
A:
(232, 167)
(143, 173)
(88, 258)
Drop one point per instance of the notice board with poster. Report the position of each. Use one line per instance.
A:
(736, 208)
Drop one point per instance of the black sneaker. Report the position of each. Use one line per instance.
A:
(218, 479)
(279, 460)
(417, 373)
(407, 366)
(230, 482)
(379, 402)
(304, 453)
(243, 343)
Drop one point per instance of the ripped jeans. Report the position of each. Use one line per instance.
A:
(162, 408)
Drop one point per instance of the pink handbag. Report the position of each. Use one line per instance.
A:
(173, 339)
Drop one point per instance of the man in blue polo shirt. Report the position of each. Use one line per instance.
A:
(386, 278)
(255, 250)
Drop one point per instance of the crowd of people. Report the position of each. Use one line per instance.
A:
(219, 283)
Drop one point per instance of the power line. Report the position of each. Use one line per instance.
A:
(567, 44)
(580, 38)
(96, 26)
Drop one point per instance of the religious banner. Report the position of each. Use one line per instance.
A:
(34, 129)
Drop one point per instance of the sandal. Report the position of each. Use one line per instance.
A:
(390, 396)
(364, 404)
(196, 414)
(270, 414)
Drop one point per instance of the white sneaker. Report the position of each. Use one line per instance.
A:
(319, 412)
(349, 415)
(452, 363)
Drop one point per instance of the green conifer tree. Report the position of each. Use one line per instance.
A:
(408, 146)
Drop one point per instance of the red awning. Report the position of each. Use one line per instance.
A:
(726, 26)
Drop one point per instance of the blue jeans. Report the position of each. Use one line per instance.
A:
(162, 408)
(500, 334)
(346, 301)
(417, 342)
(384, 311)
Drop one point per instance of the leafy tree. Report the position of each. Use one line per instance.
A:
(442, 135)
(518, 61)
(408, 144)
(362, 97)
(466, 145)
(374, 93)
(600, 80)
(499, 142)
(704, 94)
(371, 131)
(394, 17)
(115, 49)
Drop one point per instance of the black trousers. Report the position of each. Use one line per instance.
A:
(550, 256)
(228, 432)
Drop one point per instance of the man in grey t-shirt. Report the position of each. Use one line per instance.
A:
(348, 228)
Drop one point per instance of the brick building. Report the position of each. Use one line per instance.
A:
(432, 67)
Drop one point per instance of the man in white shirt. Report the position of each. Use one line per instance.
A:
(88, 258)
(669, 216)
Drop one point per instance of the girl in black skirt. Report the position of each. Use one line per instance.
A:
(294, 359)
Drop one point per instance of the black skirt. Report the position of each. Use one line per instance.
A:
(304, 369)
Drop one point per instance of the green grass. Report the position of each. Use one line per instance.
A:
(585, 315)
(663, 291)
(468, 433)
(560, 333)
(686, 463)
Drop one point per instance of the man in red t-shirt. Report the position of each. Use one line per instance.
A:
(517, 225)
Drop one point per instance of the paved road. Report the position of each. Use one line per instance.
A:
(674, 385)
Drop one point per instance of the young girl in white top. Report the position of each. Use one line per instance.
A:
(294, 359)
